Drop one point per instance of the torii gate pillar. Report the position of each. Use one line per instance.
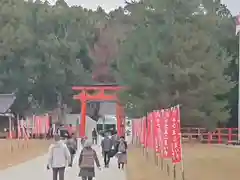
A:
(120, 120)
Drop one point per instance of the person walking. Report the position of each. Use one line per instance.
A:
(75, 139)
(70, 129)
(86, 162)
(83, 140)
(94, 136)
(63, 132)
(58, 159)
(50, 132)
(114, 139)
(72, 147)
(106, 145)
(122, 152)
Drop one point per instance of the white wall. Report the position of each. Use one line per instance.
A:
(90, 123)
(89, 127)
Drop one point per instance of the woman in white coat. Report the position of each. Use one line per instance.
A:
(59, 158)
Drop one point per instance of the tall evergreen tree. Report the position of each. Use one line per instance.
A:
(172, 57)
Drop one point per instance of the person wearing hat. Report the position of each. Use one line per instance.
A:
(87, 159)
(59, 158)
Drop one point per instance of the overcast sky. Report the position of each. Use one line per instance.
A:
(233, 5)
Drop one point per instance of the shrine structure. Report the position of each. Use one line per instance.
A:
(99, 93)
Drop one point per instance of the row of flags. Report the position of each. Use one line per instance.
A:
(37, 125)
(161, 131)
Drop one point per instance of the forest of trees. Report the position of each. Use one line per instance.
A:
(165, 51)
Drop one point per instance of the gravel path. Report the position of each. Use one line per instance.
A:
(36, 170)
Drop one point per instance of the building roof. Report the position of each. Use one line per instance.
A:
(99, 84)
(6, 101)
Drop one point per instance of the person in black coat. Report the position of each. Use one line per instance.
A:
(94, 136)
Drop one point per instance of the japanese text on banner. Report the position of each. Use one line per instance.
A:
(157, 131)
(167, 134)
(176, 136)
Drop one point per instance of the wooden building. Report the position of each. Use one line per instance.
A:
(6, 102)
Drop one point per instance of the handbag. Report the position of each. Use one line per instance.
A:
(112, 153)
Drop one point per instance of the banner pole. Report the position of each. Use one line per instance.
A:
(238, 84)
(161, 163)
(182, 161)
(174, 171)
(10, 133)
(182, 164)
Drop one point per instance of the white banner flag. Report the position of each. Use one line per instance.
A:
(237, 24)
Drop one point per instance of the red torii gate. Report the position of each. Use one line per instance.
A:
(100, 95)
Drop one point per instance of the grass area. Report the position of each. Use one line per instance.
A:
(139, 168)
(201, 162)
(13, 152)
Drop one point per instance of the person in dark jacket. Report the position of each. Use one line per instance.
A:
(106, 145)
(72, 147)
(94, 136)
(115, 139)
(63, 132)
(75, 139)
(50, 133)
(88, 157)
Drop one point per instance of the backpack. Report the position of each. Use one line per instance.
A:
(122, 147)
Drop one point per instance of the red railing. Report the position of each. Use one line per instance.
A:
(220, 136)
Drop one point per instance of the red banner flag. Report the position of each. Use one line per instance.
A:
(157, 131)
(142, 131)
(10, 128)
(148, 131)
(167, 134)
(161, 131)
(176, 135)
(145, 131)
(139, 128)
(151, 138)
(19, 128)
(134, 126)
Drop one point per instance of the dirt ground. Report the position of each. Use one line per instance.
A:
(201, 162)
(13, 152)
